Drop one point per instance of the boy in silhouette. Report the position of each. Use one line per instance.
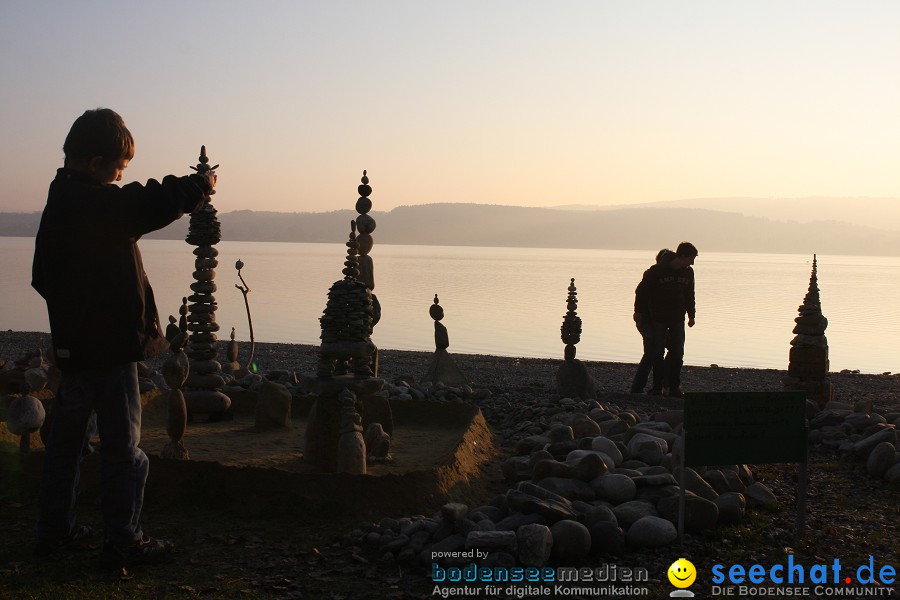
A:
(103, 320)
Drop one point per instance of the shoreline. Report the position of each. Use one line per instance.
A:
(526, 376)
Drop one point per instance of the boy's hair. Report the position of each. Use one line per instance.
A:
(99, 132)
(686, 249)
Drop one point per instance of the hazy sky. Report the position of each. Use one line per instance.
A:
(506, 102)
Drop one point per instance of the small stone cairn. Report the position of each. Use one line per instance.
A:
(808, 359)
(175, 372)
(346, 326)
(232, 365)
(573, 379)
(204, 384)
(442, 369)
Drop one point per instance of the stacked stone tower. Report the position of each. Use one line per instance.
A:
(573, 379)
(346, 326)
(204, 384)
(571, 325)
(365, 225)
(347, 320)
(808, 359)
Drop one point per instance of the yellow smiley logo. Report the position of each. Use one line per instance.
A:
(682, 573)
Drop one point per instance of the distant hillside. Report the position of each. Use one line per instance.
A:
(642, 228)
(880, 213)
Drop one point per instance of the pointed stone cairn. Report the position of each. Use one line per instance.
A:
(442, 369)
(573, 379)
(346, 326)
(808, 358)
(204, 384)
(365, 224)
(347, 320)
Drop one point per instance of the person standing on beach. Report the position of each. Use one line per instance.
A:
(658, 381)
(103, 320)
(661, 300)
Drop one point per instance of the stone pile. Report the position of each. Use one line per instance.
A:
(204, 384)
(860, 433)
(442, 368)
(573, 378)
(808, 359)
(585, 478)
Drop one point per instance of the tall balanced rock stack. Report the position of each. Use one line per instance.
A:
(443, 368)
(347, 320)
(204, 384)
(808, 364)
(365, 224)
(573, 379)
(346, 327)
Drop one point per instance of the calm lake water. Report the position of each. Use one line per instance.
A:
(511, 301)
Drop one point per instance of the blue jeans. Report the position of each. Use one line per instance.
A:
(113, 393)
(666, 371)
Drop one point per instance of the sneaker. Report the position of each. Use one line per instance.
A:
(676, 393)
(75, 540)
(145, 551)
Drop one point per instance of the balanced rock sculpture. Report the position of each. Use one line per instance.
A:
(346, 346)
(365, 224)
(175, 371)
(442, 369)
(231, 355)
(204, 384)
(808, 358)
(573, 379)
(351, 452)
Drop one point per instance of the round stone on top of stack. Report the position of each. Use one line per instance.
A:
(204, 384)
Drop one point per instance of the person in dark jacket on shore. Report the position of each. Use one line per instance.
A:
(661, 300)
(103, 320)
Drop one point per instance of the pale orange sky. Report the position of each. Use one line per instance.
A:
(505, 102)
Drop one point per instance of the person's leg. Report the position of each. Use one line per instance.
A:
(675, 357)
(62, 457)
(658, 342)
(653, 336)
(123, 466)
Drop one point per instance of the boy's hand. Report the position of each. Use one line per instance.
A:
(211, 178)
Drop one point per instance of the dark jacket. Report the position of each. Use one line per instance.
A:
(664, 294)
(88, 268)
